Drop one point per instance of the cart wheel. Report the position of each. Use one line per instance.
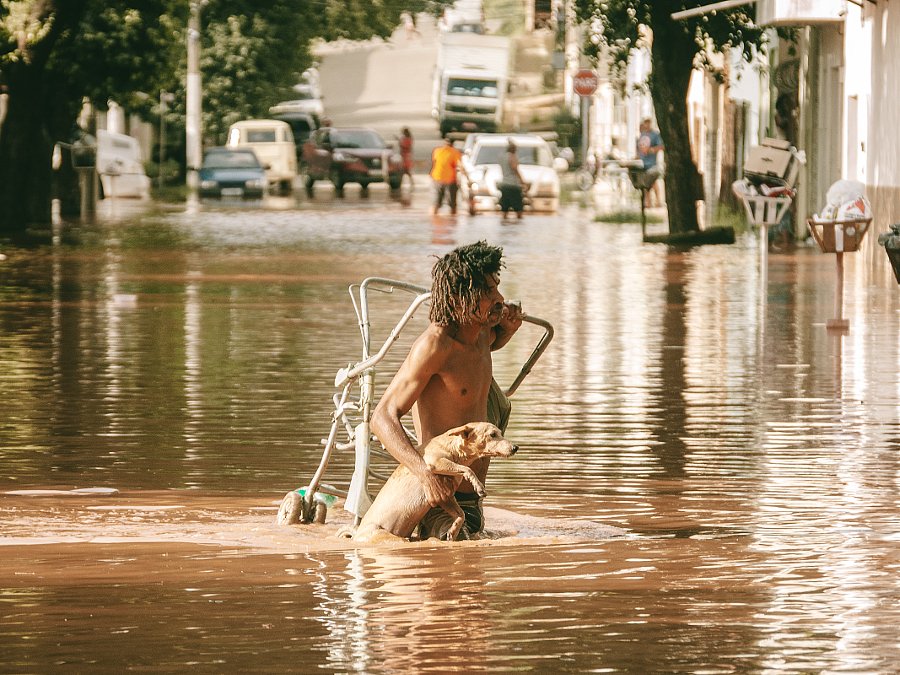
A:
(290, 509)
(321, 512)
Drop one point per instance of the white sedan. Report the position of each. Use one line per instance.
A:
(536, 165)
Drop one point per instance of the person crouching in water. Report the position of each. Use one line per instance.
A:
(512, 186)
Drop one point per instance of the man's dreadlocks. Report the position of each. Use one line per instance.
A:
(458, 282)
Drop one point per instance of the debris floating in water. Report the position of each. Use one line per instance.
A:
(94, 491)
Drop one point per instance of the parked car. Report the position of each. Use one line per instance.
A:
(121, 166)
(350, 155)
(303, 124)
(273, 143)
(537, 165)
(232, 172)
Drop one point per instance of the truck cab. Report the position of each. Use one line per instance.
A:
(273, 143)
(471, 82)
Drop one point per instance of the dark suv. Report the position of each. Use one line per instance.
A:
(350, 155)
(303, 124)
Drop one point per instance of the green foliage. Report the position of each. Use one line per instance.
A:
(233, 64)
(621, 25)
(628, 216)
(56, 53)
(252, 53)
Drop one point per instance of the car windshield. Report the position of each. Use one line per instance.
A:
(527, 154)
(356, 138)
(261, 136)
(230, 160)
(458, 86)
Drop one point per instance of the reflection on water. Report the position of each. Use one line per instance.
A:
(186, 359)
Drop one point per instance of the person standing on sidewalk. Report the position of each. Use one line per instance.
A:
(649, 145)
(445, 162)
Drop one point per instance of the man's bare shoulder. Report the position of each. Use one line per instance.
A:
(433, 340)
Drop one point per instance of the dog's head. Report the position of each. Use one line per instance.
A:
(482, 439)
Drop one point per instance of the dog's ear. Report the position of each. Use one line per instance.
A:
(463, 432)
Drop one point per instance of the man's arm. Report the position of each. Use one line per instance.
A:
(460, 167)
(510, 322)
(421, 364)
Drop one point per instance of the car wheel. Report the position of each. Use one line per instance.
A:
(310, 181)
(365, 189)
(395, 181)
(286, 187)
(338, 181)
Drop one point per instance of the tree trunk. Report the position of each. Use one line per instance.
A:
(732, 133)
(25, 153)
(672, 54)
(34, 102)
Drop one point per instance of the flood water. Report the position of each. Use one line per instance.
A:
(184, 359)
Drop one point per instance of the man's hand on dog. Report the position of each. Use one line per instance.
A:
(438, 489)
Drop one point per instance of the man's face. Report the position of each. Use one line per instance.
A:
(490, 307)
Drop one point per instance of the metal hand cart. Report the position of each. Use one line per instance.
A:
(354, 404)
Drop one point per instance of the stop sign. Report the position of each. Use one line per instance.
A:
(585, 82)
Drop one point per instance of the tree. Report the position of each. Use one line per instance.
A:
(676, 48)
(56, 53)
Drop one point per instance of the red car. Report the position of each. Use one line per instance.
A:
(350, 155)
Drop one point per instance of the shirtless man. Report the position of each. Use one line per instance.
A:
(446, 377)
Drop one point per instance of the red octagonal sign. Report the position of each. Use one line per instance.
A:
(585, 82)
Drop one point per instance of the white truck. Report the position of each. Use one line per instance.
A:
(471, 80)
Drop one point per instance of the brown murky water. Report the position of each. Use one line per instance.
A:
(185, 359)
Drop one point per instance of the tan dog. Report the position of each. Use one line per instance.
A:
(401, 504)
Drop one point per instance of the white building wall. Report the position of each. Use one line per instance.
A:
(749, 83)
(857, 94)
(883, 136)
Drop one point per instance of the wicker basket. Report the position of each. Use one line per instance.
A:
(838, 236)
(765, 210)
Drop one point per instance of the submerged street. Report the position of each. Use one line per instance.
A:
(707, 478)
(184, 361)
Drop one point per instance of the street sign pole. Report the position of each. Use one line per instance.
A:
(585, 83)
(585, 128)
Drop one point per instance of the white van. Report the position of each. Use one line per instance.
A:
(273, 143)
(121, 166)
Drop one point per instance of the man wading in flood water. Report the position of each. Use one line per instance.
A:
(446, 379)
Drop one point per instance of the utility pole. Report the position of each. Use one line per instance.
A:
(193, 88)
(165, 98)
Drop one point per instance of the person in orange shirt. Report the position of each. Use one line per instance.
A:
(445, 162)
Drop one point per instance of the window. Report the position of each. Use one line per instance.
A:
(261, 136)
(458, 86)
(356, 138)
